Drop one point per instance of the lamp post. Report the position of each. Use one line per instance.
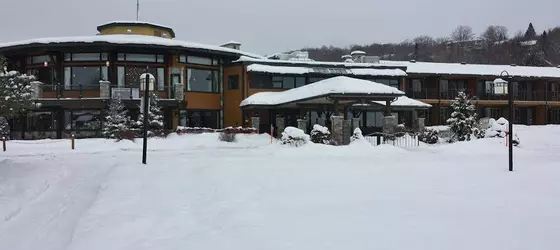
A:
(146, 84)
(502, 82)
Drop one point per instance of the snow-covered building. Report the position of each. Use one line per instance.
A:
(204, 85)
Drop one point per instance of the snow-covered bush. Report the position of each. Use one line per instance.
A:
(227, 136)
(294, 137)
(499, 128)
(429, 136)
(117, 122)
(357, 135)
(463, 118)
(320, 134)
(17, 94)
(155, 118)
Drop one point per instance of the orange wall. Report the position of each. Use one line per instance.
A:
(232, 98)
(197, 100)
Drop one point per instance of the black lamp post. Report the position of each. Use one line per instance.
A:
(506, 75)
(147, 87)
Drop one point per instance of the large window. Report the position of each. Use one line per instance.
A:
(141, 58)
(233, 82)
(202, 80)
(388, 82)
(260, 81)
(85, 57)
(41, 121)
(300, 81)
(198, 60)
(84, 77)
(82, 120)
(203, 118)
(129, 76)
(46, 75)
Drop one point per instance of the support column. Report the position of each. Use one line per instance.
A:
(421, 124)
(302, 124)
(179, 94)
(104, 89)
(389, 124)
(355, 123)
(255, 123)
(346, 131)
(336, 129)
(37, 90)
(336, 106)
(279, 126)
(387, 108)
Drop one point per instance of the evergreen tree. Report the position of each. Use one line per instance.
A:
(16, 95)
(155, 118)
(117, 121)
(530, 34)
(463, 118)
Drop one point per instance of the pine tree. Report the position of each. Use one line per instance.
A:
(16, 95)
(155, 118)
(463, 118)
(530, 34)
(117, 121)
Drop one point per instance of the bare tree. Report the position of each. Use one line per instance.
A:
(462, 33)
(424, 40)
(494, 33)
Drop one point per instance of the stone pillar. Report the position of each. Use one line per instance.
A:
(389, 124)
(346, 131)
(302, 124)
(104, 89)
(421, 124)
(179, 91)
(336, 129)
(279, 126)
(256, 123)
(37, 90)
(355, 123)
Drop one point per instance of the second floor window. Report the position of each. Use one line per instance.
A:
(76, 78)
(203, 80)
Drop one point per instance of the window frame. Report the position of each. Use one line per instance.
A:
(103, 57)
(215, 76)
(71, 87)
(158, 58)
(233, 85)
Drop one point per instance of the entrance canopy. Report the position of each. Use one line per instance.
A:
(340, 89)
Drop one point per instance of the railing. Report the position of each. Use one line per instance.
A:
(403, 139)
(518, 95)
(81, 91)
(422, 94)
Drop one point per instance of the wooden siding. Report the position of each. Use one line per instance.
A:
(233, 115)
(137, 30)
(200, 100)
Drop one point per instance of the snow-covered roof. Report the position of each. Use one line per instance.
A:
(129, 39)
(474, 69)
(313, 63)
(306, 70)
(357, 52)
(340, 85)
(404, 101)
(231, 42)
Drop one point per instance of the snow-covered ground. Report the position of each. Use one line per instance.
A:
(199, 193)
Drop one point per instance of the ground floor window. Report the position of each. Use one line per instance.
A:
(444, 114)
(199, 118)
(82, 120)
(41, 121)
(554, 116)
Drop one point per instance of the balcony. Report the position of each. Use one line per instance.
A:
(422, 94)
(519, 95)
(102, 91)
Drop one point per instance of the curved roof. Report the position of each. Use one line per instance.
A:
(136, 23)
(124, 40)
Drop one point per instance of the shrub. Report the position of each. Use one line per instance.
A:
(294, 137)
(429, 136)
(320, 134)
(357, 135)
(227, 136)
(499, 128)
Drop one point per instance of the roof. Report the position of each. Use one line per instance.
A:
(335, 86)
(231, 42)
(306, 70)
(126, 39)
(475, 69)
(314, 63)
(135, 23)
(404, 101)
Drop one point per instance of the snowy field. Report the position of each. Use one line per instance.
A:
(199, 193)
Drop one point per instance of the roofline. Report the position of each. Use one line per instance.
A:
(145, 24)
(271, 62)
(321, 96)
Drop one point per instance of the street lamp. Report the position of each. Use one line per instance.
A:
(500, 82)
(146, 84)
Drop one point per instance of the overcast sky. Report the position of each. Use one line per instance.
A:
(266, 27)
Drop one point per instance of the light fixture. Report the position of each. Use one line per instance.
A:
(45, 64)
(107, 63)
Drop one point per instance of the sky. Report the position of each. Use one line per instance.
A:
(266, 27)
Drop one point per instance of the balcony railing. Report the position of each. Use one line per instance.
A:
(518, 95)
(80, 91)
(422, 94)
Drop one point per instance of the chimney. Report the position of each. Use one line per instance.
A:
(358, 56)
(232, 45)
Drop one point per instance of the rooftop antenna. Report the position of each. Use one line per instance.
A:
(137, 9)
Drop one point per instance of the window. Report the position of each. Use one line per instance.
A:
(198, 60)
(277, 82)
(374, 119)
(84, 77)
(82, 120)
(443, 86)
(233, 82)
(202, 80)
(300, 81)
(444, 114)
(41, 59)
(140, 58)
(46, 75)
(129, 76)
(204, 119)
(389, 82)
(260, 81)
(288, 82)
(416, 85)
(85, 57)
(315, 79)
(41, 121)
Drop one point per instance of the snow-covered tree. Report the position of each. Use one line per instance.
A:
(320, 134)
(463, 119)
(357, 135)
(16, 95)
(155, 118)
(117, 122)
